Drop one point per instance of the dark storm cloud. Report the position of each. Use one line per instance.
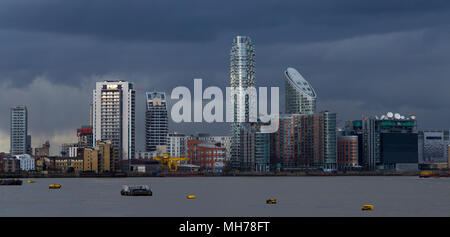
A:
(362, 57)
(204, 20)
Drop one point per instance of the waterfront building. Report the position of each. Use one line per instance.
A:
(27, 163)
(433, 146)
(99, 159)
(242, 75)
(114, 115)
(65, 163)
(347, 149)
(10, 165)
(387, 142)
(305, 141)
(19, 131)
(225, 142)
(300, 97)
(255, 148)
(156, 121)
(208, 156)
(176, 144)
(143, 166)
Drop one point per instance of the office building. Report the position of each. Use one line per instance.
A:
(386, 142)
(19, 131)
(300, 96)
(114, 116)
(156, 121)
(242, 75)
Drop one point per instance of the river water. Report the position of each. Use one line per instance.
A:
(230, 197)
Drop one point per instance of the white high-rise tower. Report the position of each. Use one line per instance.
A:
(114, 104)
(242, 73)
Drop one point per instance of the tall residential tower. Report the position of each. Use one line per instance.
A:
(114, 115)
(156, 121)
(19, 131)
(242, 74)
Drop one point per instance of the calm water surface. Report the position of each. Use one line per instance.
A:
(231, 196)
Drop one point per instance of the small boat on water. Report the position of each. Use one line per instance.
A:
(54, 186)
(10, 182)
(271, 201)
(367, 208)
(136, 190)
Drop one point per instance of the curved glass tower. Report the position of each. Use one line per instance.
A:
(300, 96)
(242, 74)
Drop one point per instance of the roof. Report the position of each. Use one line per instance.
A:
(299, 83)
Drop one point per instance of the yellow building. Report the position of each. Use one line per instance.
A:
(64, 163)
(90, 161)
(99, 159)
(106, 163)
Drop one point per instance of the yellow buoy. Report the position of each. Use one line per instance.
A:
(54, 186)
(271, 201)
(367, 208)
(31, 181)
(191, 197)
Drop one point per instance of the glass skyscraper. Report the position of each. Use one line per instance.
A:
(242, 74)
(156, 121)
(300, 96)
(19, 138)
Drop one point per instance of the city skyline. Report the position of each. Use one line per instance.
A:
(380, 69)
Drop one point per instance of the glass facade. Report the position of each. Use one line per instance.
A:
(242, 75)
(300, 96)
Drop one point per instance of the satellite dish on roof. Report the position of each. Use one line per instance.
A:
(413, 117)
(397, 115)
(402, 117)
(390, 114)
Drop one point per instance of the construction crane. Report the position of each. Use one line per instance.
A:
(170, 162)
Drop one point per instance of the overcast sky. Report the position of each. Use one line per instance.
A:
(361, 57)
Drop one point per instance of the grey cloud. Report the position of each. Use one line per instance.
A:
(361, 57)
